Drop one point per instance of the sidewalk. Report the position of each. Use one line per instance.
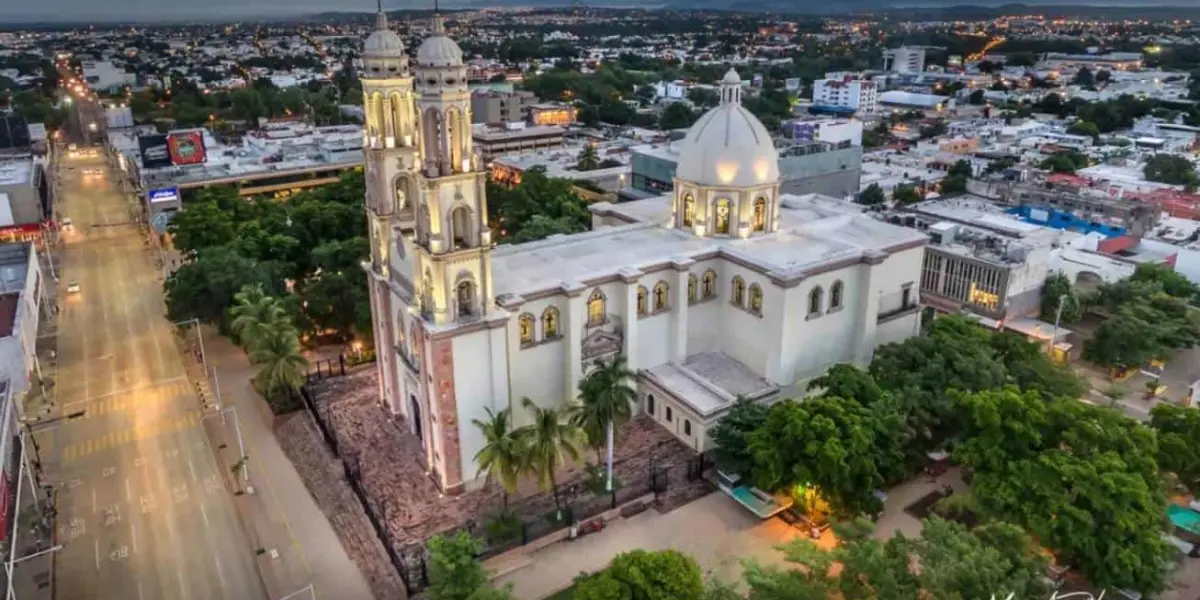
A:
(297, 527)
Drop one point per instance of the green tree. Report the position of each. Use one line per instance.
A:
(550, 440)
(513, 210)
(906, 194)
(1084, 77)
(961, 168)
(848, 381)
(824, 442)
(1173, 169)
(204, 287)
(203, 225)
(1178, 429)
(1058, 288)
(976, 97)
(503, 456)
(281, 362)
(731, 435)
(454, 572)
(255, 315)
(588, 159)
(954, 184)
(1084, 128)
(606, 397)
(872, 196)
(676, 116)
(646, 575)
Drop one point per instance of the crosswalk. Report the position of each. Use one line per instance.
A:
(133, 399)
(129, 435)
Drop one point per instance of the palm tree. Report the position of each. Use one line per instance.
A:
(606, 398)
(588, 159)
(504, 454)
(549, 440)
(255, 315)
(282, 362)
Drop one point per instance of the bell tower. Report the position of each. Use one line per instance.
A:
(390, 156)
(452, 266)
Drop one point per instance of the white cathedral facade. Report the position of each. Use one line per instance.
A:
(723, 288)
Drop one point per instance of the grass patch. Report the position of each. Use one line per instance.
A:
(566, 594)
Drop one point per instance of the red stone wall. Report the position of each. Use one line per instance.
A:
(442, 365)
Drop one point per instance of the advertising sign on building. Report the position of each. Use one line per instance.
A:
(806, 132)
(792, 84)
(170, 194)
(186, 148)
(154, 151)
(758, 80)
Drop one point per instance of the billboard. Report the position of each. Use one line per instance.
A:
(170, 194)
(153, 149)
(186, 148)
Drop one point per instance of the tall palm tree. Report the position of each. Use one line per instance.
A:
(606, 398)
(549, 440)
(504, 455)
(281, 361)
(588, 159)
(255, 315)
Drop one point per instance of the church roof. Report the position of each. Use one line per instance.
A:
(817, 233)
(383, 42)
(728, 146)
(438, 50)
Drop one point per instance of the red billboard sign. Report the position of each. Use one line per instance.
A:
(186, 148)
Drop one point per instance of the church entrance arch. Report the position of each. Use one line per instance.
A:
(415, 410)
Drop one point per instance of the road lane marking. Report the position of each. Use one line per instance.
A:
(128, 492)
(140, 595)
(220, 573)
(133, 535)
(93, 500)
(204, 514)
(192, 470)
(96, 547)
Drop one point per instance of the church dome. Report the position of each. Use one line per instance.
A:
(728, 146)
(438, 50)
(383, 42)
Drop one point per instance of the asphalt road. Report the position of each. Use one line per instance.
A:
(143, 513)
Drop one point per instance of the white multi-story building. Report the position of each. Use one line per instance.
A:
(847, 91)
(722, 288)
(905, 59)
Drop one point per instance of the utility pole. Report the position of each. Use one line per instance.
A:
(1057, 318)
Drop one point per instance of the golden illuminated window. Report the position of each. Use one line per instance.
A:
(691, 288)
(526, 327)
(760, 215)
(722, 216)
(643, 300)
(550, 323)
(689, 210)
(755, 298)
(660, 296)
(596, 308)
(739, 291)
(710, 284)
(835, 295)
(982, 297)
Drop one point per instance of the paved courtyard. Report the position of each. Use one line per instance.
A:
(388, 457)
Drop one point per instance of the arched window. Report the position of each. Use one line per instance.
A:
(650, 404)
(739, 291)
(660, 296)
(710, 283)
(760, 214)
(596, 310)
(755, 299)
(835, 295)
(689, 210)
(550, 323)
(814, 301)
(722, 216)
(460, 227)
(525, 323)
(691, 288)
(643, 300)
(465, 292)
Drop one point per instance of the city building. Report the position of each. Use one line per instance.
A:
(552, 113)
(612, 174)
(1115, 61)
(516, 138)
(905, 59)
(712, 292)
(21, 303)
(845, 92)
(910, 100)
(26, 205)
(806, 167)
(498, 108)
(105, 76)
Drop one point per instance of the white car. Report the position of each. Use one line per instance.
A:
(73, 287)
(67, 226)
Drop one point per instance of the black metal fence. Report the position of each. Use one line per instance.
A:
(326, 368)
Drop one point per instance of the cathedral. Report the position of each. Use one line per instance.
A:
(722, 288)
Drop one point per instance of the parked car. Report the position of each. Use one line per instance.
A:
(73, 287)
